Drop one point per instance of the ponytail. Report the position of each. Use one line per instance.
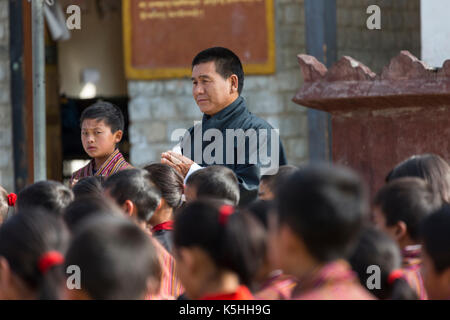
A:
(29, 242)
(234, 240)
(399, 287)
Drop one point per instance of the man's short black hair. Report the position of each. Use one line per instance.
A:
(217, 182)
(326, 207)
(408, 199)
(106, 111)
(226, 61)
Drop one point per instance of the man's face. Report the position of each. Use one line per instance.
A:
(210, 90)
(97, 138)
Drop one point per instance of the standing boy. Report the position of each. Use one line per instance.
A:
(101, 130)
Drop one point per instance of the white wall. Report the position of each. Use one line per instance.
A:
(435, 29)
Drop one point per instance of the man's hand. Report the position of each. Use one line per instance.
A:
(177, 161)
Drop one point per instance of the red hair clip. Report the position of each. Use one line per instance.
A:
(224, 212)
(50, 259)
(12, 197)
(394, 275)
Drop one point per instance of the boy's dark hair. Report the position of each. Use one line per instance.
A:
(86, 207)
(409, 200)
(106, 111)
(232, 245)
(168, 181)
(217, 182)
(375, 248)
(274, 181)
(436, 237)
(89, 186)
(116, 258)
(53, 196)
(226, 61)
(134, 185)
(430, 167)
(24, 239)
(325, 206)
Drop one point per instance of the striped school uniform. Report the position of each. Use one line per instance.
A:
(242, 293)
(170, 284)
(334, 281)
(412, 265)
(113, 164)
(278, 286)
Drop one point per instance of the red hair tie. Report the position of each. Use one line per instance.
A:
(224, 212)
(50, 259)
(394, 275)
(12, 197)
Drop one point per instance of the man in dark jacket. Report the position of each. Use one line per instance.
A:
(228, 134)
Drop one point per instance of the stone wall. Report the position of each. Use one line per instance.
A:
(6, 150)
(400, 30)
(159, 107)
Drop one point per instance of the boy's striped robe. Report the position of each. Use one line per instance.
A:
(113, 164)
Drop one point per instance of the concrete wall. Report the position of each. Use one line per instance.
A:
(400, 30)
(435, 32)
(98, 44)
(159, 107)
(6, 149)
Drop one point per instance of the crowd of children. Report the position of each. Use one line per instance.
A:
(142, 234)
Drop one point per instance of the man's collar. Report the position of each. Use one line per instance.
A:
(225, 111)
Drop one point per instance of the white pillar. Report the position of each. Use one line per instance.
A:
(435, 31)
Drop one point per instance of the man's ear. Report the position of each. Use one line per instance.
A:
(234, 83)
(161, 204)
(118, 136)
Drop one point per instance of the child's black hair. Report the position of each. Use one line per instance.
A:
(24, 239)
(430, 167)
(436, 237)
(274, 181)
(409, 200)
(50, 195)
(325, 206)
(89, 186)
(116, 259)
(134, 185)
(227, 63)
(87, 207)
(168, 181)
(217, 182)
(375, 248)
(107, 112)
(232, 244)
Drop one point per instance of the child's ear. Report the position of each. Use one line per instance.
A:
(118, 136)
(160, 204)
(128, 206)
(400, 230)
